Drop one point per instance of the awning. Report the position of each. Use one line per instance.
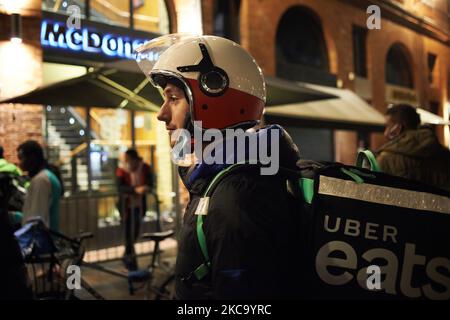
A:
(121, 84)
(105, 88)
(56, 72)
(427, 117)
(280, 91)
(344, 110)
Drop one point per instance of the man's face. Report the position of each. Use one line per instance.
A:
(173, 111)
(392, 128)
(24, 163)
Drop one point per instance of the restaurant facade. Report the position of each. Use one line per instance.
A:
(89, 103)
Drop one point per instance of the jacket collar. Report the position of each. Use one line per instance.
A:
(197, 177)
(196, 186)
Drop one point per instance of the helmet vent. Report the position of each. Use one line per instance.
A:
(213, 81)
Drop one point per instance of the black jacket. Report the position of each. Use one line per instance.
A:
(13, 277)
(251, 232)
(14, 282)
(417, 155)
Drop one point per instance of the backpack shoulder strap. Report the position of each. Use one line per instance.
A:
(202, 209)
(369, 156)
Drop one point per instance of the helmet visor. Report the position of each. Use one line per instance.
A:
(147, 55)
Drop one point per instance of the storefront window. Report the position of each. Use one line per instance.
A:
(152, 144)
(66, 135)
(115, 12)
(111, 136)
(151, 16)
(69, 7)
(145, 136)
(148, 15)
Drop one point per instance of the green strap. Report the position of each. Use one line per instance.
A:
(363, 174)
(218, 177)
(353, 175)
(201, 237)
(201, 271)
(307, 187)
(367, 154)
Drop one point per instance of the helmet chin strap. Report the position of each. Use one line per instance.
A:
(188, 125)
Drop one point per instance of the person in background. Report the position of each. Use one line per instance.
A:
(413, 152)
(6, 166)
(44, 193)
(133, 183)
(17, 195)
(13, 275)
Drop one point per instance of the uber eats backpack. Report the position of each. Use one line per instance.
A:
(366, 234)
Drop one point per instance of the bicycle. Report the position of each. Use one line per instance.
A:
(47, 256)
(138, 279)
(163, 291)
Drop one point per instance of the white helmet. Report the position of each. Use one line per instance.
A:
(224, 85)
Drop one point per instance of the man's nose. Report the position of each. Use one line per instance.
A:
(164, 114)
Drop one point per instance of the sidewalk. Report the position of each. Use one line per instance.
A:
(112, 287)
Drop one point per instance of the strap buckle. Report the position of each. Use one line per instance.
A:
(202, 270)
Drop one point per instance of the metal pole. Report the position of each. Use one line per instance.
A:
(73, 178)
(131, 15)
(133, 227)
(133, 130)
(158, 213)
(46, 112)
(88, 149)
(87, 9)
(152, 157)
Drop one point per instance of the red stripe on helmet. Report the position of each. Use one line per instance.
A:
(229, 109)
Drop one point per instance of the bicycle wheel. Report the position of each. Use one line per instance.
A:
(167, 289)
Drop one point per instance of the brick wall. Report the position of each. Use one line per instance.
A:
(260, 18)
(20, 72)
(17, 124)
